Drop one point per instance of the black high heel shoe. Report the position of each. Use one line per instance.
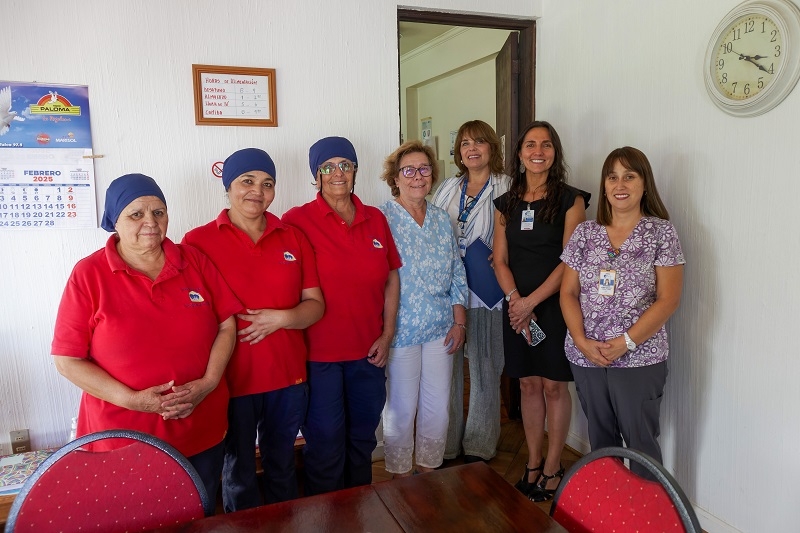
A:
(540, 492)
(525, 486)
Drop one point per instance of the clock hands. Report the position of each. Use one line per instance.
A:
(752, 59)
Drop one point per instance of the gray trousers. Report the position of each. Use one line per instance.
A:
(623, 403)
(484, 349)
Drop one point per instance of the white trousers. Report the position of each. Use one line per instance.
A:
(418, 382)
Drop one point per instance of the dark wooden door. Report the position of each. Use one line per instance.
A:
(515, 82)
(506, 80)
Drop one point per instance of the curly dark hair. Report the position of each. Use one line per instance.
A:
(556, 177)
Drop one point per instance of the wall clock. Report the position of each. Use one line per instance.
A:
(753, 58)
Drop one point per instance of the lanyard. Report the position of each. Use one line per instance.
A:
(463, 213)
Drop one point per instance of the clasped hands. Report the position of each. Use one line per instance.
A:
(520, 312)
(602, 353)
(172, 405)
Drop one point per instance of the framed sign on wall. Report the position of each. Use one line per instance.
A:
(234, 96)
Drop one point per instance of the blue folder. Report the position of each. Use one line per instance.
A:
(480, 274)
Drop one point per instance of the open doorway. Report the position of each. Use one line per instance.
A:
(455, 68)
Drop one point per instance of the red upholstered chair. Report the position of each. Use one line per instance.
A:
(143, 483)
(599, 494)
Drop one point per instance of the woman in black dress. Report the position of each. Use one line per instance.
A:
(537, 215)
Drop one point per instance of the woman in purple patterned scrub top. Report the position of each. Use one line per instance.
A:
(617, 343)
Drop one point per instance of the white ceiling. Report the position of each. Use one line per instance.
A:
(413, 34)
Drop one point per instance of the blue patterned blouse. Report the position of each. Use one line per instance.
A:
(432, 278)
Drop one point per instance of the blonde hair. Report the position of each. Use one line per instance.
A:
(391, 168)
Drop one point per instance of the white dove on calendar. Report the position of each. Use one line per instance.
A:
(6, 115)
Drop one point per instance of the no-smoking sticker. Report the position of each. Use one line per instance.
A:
(216, 169)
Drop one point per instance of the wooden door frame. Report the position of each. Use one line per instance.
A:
(527, 55)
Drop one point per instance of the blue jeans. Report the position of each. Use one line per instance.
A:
(345, 404)
(277, 415)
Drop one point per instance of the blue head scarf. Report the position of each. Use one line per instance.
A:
(123, 191)
(329, 147)
(246, 160)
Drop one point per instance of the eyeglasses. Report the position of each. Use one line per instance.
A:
(409, 172)
(344, 166)
(462, 217)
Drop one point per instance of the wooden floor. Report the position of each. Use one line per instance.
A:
(512, 454)
(512, 451)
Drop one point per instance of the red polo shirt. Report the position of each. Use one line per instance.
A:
(146, 333)
(268, 274)
(353, 264)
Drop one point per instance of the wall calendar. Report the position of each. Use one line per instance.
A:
(46, 169)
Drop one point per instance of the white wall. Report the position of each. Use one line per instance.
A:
(451, 79)
(336, 65)
(730, 429)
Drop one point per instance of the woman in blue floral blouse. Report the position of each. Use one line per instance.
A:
(432, 315)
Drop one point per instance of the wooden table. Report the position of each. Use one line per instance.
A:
(463, 498)
(5, 507)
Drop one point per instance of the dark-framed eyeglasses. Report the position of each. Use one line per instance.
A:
(462, 217)
(330, 168)
(409, 172)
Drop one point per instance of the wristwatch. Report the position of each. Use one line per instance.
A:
(629, 342)
(508, 296)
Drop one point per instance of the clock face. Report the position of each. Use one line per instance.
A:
(749, 56)
(752, 60)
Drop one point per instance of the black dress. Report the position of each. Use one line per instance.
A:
(532, 256)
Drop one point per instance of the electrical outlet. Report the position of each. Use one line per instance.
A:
(20, 441)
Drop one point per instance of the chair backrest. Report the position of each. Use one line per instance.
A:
(599, 494)
(143, 483)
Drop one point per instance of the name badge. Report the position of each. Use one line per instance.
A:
(527, 219)
(608, 280)
(462, 246)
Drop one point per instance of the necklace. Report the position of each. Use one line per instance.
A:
(533, 192)
(612, 252)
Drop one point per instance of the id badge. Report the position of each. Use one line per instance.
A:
(462, 246)
(527, 220)
(608, 281)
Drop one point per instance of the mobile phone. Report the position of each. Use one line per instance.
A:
(533, 333)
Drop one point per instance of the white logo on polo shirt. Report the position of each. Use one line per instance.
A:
(288, 256)
(195, 296)
(376, 243)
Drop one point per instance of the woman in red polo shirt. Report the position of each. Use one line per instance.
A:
(145, 327)
(357, 263)
(271, 268)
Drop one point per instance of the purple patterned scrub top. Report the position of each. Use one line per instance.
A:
(653, 242)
